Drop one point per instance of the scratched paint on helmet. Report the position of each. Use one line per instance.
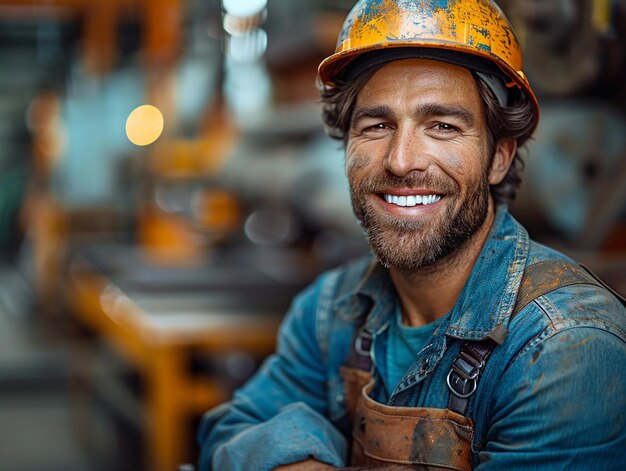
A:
(372, 9)
(478, 37)
(361, 14)
(415, 5)
(451, 23)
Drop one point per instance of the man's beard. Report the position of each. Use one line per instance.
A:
(409, 244)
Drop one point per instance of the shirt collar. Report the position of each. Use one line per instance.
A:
(488, 298)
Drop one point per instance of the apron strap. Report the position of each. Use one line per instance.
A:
(543, 277)
(538, 279)
(360, 357)
(465, 373)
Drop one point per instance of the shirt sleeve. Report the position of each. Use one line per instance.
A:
(560, 405)
(279, 416)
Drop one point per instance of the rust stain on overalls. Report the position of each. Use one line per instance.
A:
(418, 437)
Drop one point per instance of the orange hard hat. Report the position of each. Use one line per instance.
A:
(472, 33)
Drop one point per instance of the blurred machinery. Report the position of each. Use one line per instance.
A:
(182, 190)
(576, 172)
(573, 192)
(572, 47)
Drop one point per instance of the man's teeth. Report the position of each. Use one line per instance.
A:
(412, 200)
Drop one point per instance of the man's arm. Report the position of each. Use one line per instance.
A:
(279, 416)
(560, 405)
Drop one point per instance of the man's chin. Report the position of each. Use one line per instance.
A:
(404, 250)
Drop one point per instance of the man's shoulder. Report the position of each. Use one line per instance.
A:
(573, 304)
(538, 252)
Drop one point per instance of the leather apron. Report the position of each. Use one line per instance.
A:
(428, 438)
(417, 437)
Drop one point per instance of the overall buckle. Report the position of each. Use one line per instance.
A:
(363, 343)
(466, 368)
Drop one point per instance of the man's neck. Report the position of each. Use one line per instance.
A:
(431, 292)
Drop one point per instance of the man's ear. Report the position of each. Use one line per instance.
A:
(505, 152)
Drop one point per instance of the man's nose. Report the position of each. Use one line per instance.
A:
(406, 153)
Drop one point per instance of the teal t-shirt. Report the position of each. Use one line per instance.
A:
(403, 346)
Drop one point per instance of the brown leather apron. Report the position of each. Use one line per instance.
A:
(418, 437)
(427, 438)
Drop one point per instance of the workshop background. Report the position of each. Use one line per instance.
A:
(166, 187)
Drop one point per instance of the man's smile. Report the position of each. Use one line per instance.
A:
(411, 200)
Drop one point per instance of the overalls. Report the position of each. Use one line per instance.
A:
(429, 438)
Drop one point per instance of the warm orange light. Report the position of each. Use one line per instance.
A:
(144, 125)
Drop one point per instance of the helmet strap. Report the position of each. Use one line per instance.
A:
(497, 86)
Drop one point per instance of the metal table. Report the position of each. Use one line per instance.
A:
(156, 318)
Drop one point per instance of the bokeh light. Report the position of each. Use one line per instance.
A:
(144, 125)
(244, 8)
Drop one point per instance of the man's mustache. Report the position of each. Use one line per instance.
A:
(413, 181)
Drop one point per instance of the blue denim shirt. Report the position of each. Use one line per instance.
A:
(551, 397)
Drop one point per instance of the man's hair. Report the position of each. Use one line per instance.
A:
(514, 121)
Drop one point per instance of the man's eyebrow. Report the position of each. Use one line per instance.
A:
(435, 109)
(426, 110)
(371, 112)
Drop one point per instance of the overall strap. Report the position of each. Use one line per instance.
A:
(360, 353)
(549, 275)
(538, 279)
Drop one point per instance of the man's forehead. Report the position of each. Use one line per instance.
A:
(451, 71)
(422, 73)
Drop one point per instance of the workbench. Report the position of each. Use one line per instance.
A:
(157, 318)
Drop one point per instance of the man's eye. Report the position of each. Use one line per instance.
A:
(376, 127)
(445, 127)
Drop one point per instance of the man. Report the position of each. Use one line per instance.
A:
(462, 344)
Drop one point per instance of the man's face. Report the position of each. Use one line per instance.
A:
(418, 161)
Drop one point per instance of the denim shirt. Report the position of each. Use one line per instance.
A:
(551, 397)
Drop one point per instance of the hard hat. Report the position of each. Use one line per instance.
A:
(471, 33)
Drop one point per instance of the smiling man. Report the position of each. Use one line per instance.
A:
(461, 343)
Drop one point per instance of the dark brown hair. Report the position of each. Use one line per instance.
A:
(514, 121)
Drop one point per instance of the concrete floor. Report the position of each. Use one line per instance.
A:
(35, 434)
(35, 411)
